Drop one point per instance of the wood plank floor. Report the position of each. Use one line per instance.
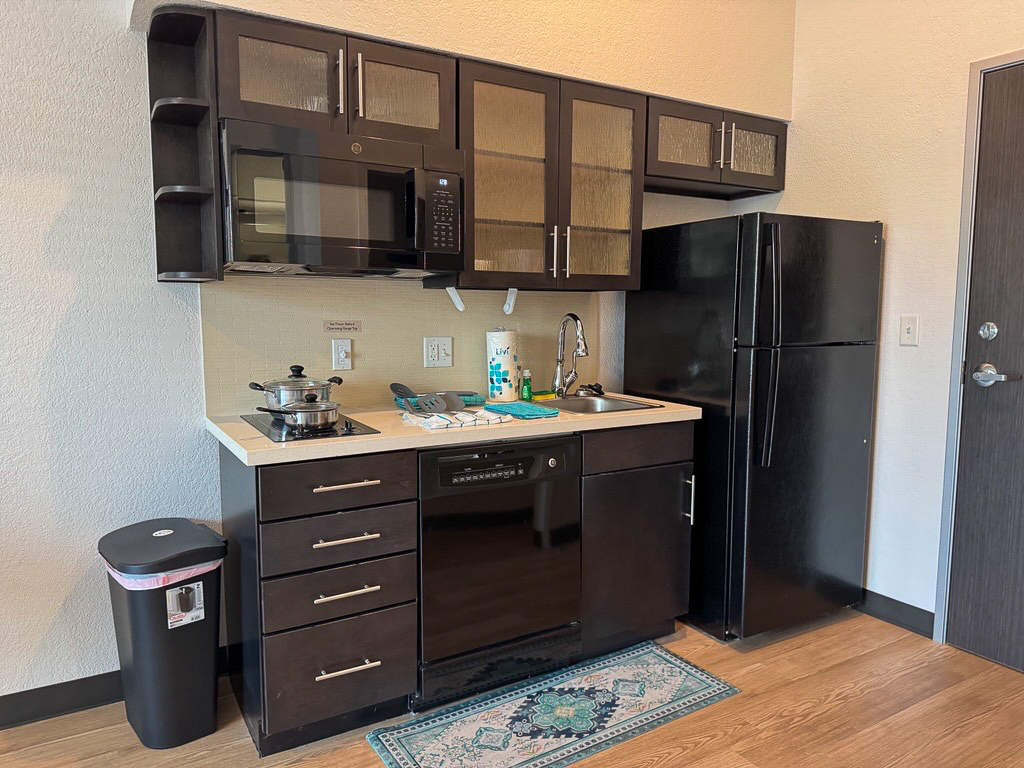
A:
(851, 691)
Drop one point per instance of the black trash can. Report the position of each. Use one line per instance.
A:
(164, 580)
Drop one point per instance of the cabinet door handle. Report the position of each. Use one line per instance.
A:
(359, 83)
(367, 664)
(365, 537)
(568, 247)
(341, 81)
(732, 145)
(345, 486)
(341, 596)
(721, 148)
(554, 251)
(692, 482)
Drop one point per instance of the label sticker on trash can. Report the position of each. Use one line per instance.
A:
(185, 605)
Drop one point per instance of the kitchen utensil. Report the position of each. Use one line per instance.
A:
(452, 402)
(424, 403)
(294, 389)
(308, 415)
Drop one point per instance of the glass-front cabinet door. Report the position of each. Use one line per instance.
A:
(399, 93)
(280, 73)
(755, 154)
(685, 141)
(508, 125)
(601, 155)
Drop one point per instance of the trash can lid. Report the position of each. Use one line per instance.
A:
(164, 544)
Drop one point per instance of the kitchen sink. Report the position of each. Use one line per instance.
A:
(595, 404)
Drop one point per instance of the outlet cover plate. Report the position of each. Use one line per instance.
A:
(437, 351)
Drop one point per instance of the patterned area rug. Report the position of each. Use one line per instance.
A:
(556, 719)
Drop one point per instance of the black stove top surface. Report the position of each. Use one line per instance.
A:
(280, 432)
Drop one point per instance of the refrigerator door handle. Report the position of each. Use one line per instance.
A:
(768, 433)
(775, 237)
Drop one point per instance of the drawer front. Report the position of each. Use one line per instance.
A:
(376, 653)
(309, 598)
(294, 490)
(343, 537)
(609, 450)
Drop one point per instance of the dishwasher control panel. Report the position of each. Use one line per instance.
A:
(495, 472)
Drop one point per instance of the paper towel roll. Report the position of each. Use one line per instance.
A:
(502, 366)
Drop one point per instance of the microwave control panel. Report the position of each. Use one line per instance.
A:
(443, 212)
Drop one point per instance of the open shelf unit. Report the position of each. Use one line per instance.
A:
(183, 131)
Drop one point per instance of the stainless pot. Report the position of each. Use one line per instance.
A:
(308, 416)
(294, 389)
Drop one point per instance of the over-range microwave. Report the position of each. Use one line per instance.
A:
(301, 202)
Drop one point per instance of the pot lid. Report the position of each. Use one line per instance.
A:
(298, 380)
(311, 405)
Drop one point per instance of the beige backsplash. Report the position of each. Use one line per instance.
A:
(254, 328)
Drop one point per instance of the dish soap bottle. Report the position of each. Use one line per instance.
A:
(527, 389)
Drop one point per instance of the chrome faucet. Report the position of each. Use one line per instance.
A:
(562, 381)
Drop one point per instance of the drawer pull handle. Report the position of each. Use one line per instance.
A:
(365, 537)
(345, 486)
(367, 664)
(365, 590)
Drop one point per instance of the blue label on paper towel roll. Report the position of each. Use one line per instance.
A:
(502, 366)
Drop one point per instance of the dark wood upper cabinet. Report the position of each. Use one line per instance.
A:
(281, 73)
(709, 152)
(508, 127)
(399, 93)
(554, 181)
(757, 152)
(601, 179)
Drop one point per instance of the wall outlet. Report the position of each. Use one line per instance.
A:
(437, 351)
(341, 354)
(908, 330)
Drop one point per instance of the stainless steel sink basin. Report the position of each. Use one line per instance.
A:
(595, 404)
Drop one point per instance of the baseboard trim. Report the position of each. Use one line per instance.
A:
(37, 704)
(895, 612)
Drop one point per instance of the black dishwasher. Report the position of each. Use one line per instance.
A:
(500, 564)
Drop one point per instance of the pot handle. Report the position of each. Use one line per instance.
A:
(257, 387)
(296, 372)
(335, 379)
(275, 410)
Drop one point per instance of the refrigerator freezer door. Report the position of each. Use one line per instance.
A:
(679, 346)
(802, 460)
(808, 281)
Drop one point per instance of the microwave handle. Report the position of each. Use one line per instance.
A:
(416, 205)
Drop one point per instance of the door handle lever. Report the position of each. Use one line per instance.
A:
(986, 374)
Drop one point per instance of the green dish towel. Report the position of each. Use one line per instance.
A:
(521, 411)
(466, 399)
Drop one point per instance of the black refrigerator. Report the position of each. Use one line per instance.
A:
(768, 323)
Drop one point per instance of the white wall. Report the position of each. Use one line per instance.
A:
(879, 114)
(104, 363)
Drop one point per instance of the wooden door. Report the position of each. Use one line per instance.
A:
(684, 141)
(986, 598)
(399, 93)
(285, 74)
(601, 160)
(755, 152)
(508, 126)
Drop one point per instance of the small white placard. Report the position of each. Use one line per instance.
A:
(185, 604)
(343, 326)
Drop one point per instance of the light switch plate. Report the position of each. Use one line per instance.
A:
(437, 351)
(908, 330)
(341, 354)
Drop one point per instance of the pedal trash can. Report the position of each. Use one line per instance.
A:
(164, 578)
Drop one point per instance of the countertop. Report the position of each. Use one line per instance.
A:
(254, 449)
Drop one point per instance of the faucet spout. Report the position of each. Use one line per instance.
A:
(561, 382)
